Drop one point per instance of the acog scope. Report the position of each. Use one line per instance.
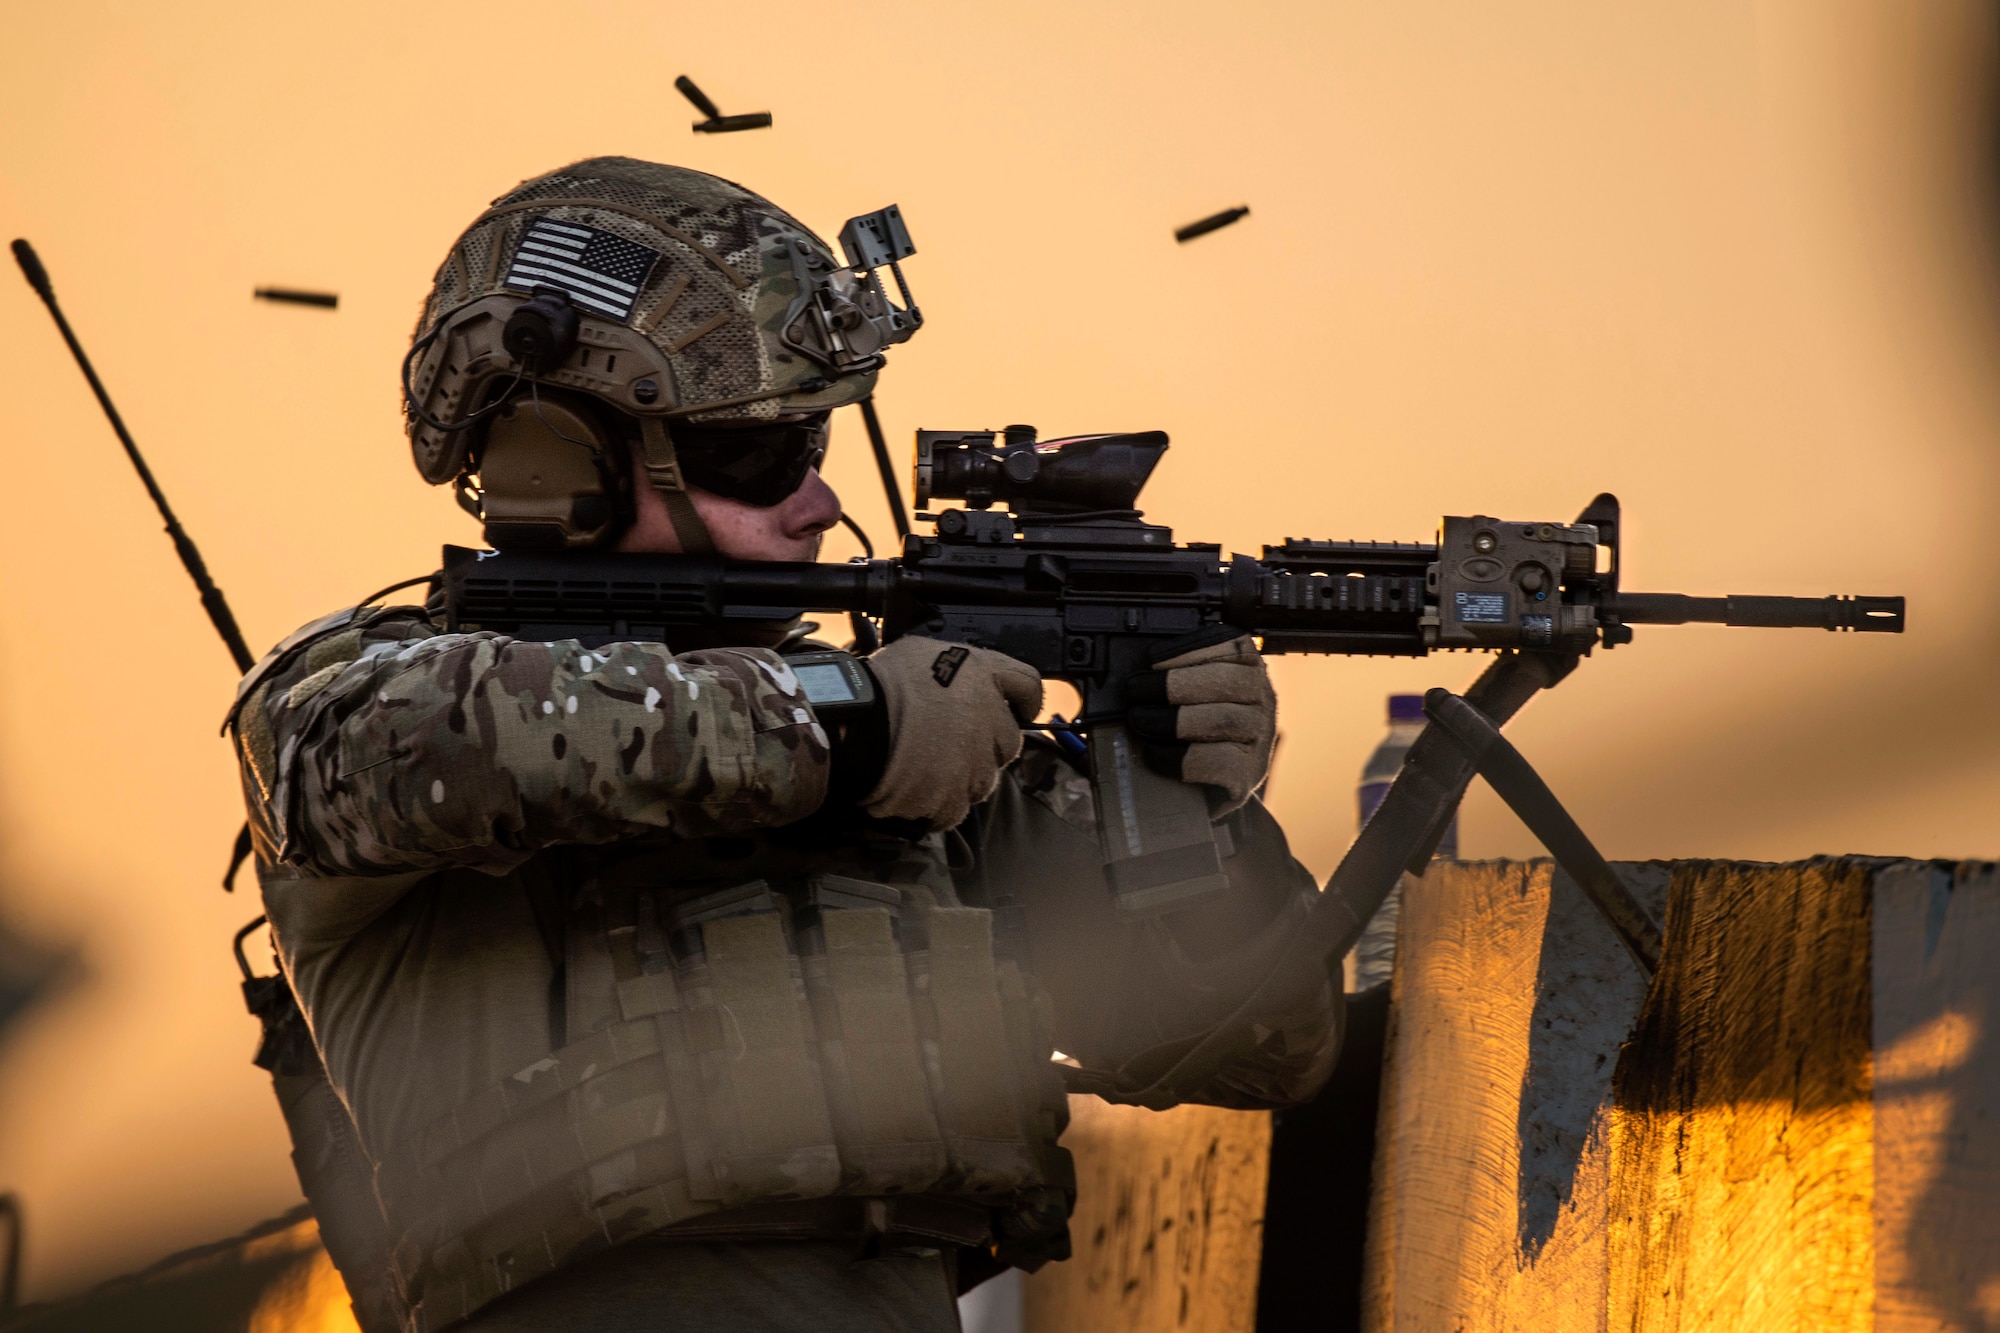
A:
(1080, 474)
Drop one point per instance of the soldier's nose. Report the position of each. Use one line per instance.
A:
(812, 508)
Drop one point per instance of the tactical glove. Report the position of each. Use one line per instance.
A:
(1207, 714)
(954, 716)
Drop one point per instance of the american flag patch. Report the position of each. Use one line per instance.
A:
(599, 271)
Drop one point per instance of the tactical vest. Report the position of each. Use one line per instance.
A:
(796, 1053)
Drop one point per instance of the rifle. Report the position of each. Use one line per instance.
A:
(1050, 563)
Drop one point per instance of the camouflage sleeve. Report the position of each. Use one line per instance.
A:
(384, 746)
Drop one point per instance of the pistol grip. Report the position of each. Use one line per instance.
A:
(1160, 852)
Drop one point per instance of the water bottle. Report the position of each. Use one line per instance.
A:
(1374, 957)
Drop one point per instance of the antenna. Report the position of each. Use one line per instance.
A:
(212, 600)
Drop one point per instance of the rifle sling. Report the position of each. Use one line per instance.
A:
(1510, 775)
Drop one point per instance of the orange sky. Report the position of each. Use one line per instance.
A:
(1729, 260)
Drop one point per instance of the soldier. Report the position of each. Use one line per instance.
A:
(652, 1001)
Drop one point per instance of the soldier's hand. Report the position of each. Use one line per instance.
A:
(954, 716)
(1207, 713)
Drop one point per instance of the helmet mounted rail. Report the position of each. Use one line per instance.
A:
(841, 317)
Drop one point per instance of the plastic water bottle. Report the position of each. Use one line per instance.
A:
(1374, 957)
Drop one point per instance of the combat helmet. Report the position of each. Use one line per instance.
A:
(619, 304)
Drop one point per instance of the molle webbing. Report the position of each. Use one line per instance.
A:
(875, 1085)
(750, 1034)
(832, 1061)
(967, 1040)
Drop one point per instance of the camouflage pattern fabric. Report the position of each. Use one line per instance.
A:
(444, 821)
(386, 746)
(716, 304)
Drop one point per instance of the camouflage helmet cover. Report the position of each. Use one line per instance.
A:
(706, 333)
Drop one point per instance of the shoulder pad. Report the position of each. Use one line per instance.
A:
(291, 643)
(295, 643)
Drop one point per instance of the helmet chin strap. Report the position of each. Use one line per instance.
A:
(663, 468)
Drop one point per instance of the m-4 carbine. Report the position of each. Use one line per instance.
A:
(1050, 563)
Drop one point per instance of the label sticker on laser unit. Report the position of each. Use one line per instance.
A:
(1481, 608)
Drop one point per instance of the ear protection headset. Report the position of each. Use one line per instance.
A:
(552, 476)
(552, 470)
(549, 473)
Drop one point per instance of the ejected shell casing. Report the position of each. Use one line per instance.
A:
(698, 97)
(754, 120)
(328, 300)
(1213, 222)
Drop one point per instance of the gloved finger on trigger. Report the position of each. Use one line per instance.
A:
(1219, 683)
(1022, 689)
(1241, 723)
(1006, 747)
(954, 716)
(1242, 648)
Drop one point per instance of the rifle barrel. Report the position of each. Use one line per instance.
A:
(1867, 615)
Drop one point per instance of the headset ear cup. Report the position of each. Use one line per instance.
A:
(548, 477)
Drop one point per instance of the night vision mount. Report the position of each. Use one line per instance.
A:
(842, 318)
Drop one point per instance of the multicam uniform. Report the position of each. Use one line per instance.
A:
(586, 962)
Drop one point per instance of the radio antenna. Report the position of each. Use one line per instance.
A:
(212, 600)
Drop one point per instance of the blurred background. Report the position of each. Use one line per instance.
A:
(1731, 259)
